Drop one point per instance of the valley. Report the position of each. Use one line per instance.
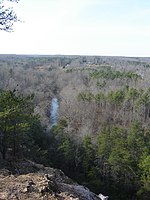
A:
(95, 114)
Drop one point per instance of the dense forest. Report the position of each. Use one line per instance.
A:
(102, 136)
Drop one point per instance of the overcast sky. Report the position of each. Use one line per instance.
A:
(80, 27)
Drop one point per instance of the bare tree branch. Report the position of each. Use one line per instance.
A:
(7, 16)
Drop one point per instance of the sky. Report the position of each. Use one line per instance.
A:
(80, 27)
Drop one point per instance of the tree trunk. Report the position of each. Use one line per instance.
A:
(4, 147)
(4, 154)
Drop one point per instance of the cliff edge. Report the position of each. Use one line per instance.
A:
(28, 180)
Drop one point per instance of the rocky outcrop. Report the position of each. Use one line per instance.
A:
(43, 183)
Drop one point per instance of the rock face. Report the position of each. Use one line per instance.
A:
(34, 181)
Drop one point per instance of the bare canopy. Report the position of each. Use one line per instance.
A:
(7, 16)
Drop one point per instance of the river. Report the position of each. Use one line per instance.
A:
(54, 111)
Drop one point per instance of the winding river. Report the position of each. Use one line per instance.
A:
(54, 111)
